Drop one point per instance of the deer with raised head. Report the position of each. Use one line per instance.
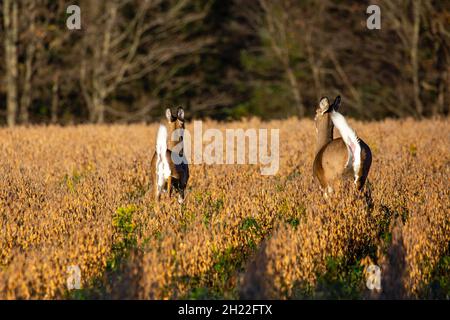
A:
(344, 157)
(169, 166)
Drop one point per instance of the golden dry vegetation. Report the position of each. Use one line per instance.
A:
(81, 196)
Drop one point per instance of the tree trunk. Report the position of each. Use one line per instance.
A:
(101, 113)
(26, 96)
(445, 94)
(415, 58)
(10, 18)
(55, 99)
(99, 109)
(314, 65)
(295, 91)
(442, 71)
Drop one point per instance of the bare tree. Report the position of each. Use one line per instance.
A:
(11, 27)
(405, 18)
(29, 41)
(55, 98)
(56, 66)
(131, 56)
(437, 34)
(276, 20)
(271, 20)
(117, 51)
(22, 36)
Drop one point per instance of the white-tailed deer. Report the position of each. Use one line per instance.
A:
(169, 167)
(345, 157)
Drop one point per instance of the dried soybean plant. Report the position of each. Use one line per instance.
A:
(81, 196)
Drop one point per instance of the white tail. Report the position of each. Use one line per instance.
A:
(162, 166)
(350, 139)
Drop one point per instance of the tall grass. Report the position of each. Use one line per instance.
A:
(82, 196)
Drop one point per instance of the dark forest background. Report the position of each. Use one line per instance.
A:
(220, 59)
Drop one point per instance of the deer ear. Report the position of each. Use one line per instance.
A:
(336, 103)
(168, 115)
(324, 105)
(180, 113)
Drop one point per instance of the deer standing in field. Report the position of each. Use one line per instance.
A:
(169, 166)
(345, 157)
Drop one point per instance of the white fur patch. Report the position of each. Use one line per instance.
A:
(162, 165)
(350, 139)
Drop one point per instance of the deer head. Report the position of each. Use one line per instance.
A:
(323, 123)
(175, 127)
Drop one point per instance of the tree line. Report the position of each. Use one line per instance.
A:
(220, 59)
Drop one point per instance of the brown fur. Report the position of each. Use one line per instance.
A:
(330, 161)
(329, 165)
(366, 162)
(179, 172)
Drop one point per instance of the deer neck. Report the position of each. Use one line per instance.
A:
(175, 145)
(324, 132)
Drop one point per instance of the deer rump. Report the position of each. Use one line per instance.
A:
(344, 157)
